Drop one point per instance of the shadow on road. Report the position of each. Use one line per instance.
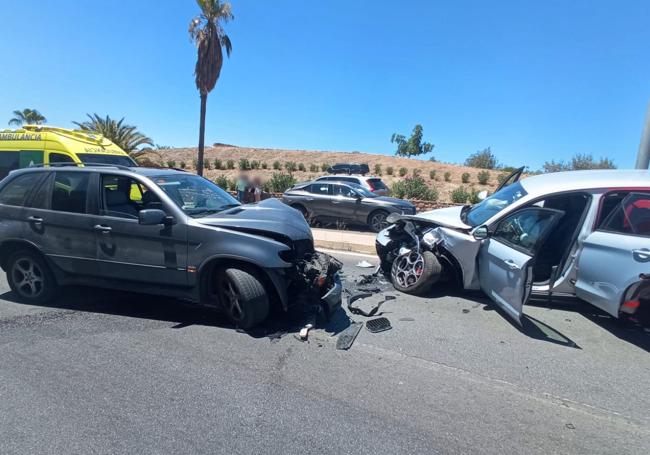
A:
(178, 312)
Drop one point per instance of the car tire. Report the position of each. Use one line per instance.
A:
(415, 273)
(242, 296)
(30, 277)
(377, 220)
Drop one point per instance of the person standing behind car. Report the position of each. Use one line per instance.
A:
(257, 189)
(241, 186)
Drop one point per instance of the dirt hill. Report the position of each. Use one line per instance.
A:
(317, 158)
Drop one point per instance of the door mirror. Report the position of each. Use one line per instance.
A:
(482, 195)
(150, 217)
(481, 233)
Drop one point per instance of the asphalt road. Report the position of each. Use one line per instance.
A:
(108, 373)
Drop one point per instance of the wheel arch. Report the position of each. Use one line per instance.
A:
(272, 280)
(10, 246)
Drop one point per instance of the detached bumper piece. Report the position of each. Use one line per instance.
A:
(317, 284)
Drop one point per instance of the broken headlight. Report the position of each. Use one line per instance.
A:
(430, 238)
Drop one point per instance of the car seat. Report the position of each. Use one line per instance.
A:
(118, 204)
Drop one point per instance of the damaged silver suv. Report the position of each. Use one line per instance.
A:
(162, 232)
(582, 234)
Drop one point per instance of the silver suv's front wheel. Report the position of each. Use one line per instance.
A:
(415, 272)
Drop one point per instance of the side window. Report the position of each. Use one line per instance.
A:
(124, 197)
(18, 190)
(30, 158)
(341, 190)
(525, 228)
(609, 202)
(319, 188)
(8, 162)
(60, 158)
(631, 216)
(70, 191)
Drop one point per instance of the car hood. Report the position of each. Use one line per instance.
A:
(392, 201)
(269, 215)
(448, 217)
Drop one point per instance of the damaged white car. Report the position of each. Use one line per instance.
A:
(582, 234)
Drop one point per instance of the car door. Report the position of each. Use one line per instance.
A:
(615, 254)
(59, 221)
(127, 250)
(506, 257)
(317, 199)
(14, 204)
(345, 203)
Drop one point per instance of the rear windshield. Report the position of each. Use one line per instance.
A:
(377, 184)
(97, 158)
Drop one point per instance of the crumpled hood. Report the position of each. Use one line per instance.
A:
(269, 215)
(448, 217)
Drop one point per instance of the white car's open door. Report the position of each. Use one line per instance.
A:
(506, 257)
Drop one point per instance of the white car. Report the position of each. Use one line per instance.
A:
(579, 234)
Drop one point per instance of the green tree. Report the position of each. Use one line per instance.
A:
(578, 162)
(413, 146)
(27, 117)
(483, 159)
(207, 32)
(127, 137)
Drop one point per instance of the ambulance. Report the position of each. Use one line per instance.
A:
(34, 145)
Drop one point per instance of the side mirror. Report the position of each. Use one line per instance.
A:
(481, 233)
(482, 195)
(150, 217)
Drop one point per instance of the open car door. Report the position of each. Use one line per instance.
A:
(507, 256)
(512, 178)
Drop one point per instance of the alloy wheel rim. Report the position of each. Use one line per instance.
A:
(378, 221)
(28, 277)
(231, 301)
(409, 269)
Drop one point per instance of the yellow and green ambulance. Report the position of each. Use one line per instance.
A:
(36, 144)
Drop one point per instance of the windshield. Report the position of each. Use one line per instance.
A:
(97, 158)
(362, 190)
(195, 195)
(493, 204)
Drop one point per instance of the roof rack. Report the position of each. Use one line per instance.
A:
(117, 166)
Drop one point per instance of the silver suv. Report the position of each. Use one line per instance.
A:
(579, 234)
(161, 232)
(373, 184)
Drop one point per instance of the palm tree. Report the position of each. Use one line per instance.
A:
(127, 137)
(27, 117)
(208, 35)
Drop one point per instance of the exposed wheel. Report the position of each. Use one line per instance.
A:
(242, 296)
(377, 220)
(414, 272)
(30, 277)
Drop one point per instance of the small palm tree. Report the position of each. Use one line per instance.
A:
(127, 137)
(208, 34)
(27, 117)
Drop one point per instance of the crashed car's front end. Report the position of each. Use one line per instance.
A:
(277, 239)
(419, 251)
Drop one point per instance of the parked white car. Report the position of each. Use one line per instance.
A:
(579, 234)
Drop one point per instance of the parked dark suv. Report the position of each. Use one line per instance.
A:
(161, 232)
(348, 168)
(346, 202)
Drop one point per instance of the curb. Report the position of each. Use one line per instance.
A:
(357, 242)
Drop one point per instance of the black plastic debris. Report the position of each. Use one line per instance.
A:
(378, 325)
(358, 311)
(347, 337)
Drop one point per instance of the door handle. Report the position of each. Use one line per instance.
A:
(103, 229)
(336, 202)
(35, 219)
(511, 264)
(309, 199)
(642, 253)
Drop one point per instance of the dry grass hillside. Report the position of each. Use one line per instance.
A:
(316, 158)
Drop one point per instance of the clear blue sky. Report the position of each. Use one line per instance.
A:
(533, 80)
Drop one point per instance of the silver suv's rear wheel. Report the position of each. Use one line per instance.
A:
(30, 277)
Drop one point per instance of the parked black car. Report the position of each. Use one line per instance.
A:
(347, 202)
(158, 231)
(348, 168)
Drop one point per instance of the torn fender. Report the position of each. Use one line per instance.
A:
(464, 248)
